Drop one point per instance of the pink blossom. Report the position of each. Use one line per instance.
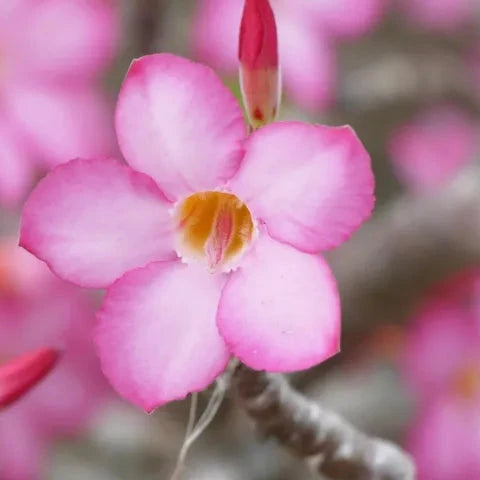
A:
(442, 365)
(208, 242)
(430, 150)
(37, 309)
(307, 30)
(443, 15)
(51, 54)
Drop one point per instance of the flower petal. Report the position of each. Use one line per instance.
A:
(93, 220)
(430, 150)
(157, 338)
(307, 58)
(311, 185)
(62, 123)
(88, 30)
(177, 122)
(16, 172)
(280, 310)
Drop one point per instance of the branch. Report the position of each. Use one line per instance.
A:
(334, 447)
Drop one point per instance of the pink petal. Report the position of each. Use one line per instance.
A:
(22, 450)
(311, 185)
(347, 19)
(443, 335)
(280, 310)
(16, 171)
(62, 123)
(307, 60)
(88, 30)
(93, 220)
(157, 337)
(431, 149)
(215, 35)
(177, 122)
(445, 439)
(442, 15)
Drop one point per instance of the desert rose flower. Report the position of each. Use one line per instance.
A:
(37, 309)
(441, 363)
(208, 242)
(432, 148)
(22, 373)
(51, 108)
(307, 31)
(259, 70)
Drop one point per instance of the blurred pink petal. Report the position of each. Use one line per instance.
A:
(311, 185)
(15, 168)
(177, 122)
(55, 314)
(88, 30)
(443, 335)
(443, 15)
(445, 440)
(108, 220)
(20, 374)
(347, 19)
(431, 149)
(61, 123)
(280, 310)
(157, 337)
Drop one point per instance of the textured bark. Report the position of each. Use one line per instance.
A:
(331, 445)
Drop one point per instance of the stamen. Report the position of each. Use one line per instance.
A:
(215, 227)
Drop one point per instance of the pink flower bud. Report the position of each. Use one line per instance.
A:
(258, 54)
(22, 373)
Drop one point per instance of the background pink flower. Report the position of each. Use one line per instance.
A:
(247, 216)
(51, 108)
(37, 309)
(432, 148)
(443, 15)
(306, 32)
(441, 363)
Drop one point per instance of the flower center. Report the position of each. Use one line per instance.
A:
(466, 382)
(214, 227)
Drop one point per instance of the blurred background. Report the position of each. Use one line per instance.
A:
(406, 75)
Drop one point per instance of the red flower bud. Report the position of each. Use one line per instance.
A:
(20, 374)
(258, 55)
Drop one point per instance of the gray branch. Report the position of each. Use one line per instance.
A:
(331, 445)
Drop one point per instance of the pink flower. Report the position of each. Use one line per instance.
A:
(247, 217)
(258, 55)
(20, 374)
(442, 365)
(37, 309)
(443, 15)
(306, 30)
(431, 149)
(51, 53)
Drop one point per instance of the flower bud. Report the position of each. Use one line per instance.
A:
(259, 70)
(22, 373)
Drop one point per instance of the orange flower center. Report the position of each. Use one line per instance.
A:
(466, 382)
(214, 227)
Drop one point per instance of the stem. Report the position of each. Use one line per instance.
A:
(333, 446)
